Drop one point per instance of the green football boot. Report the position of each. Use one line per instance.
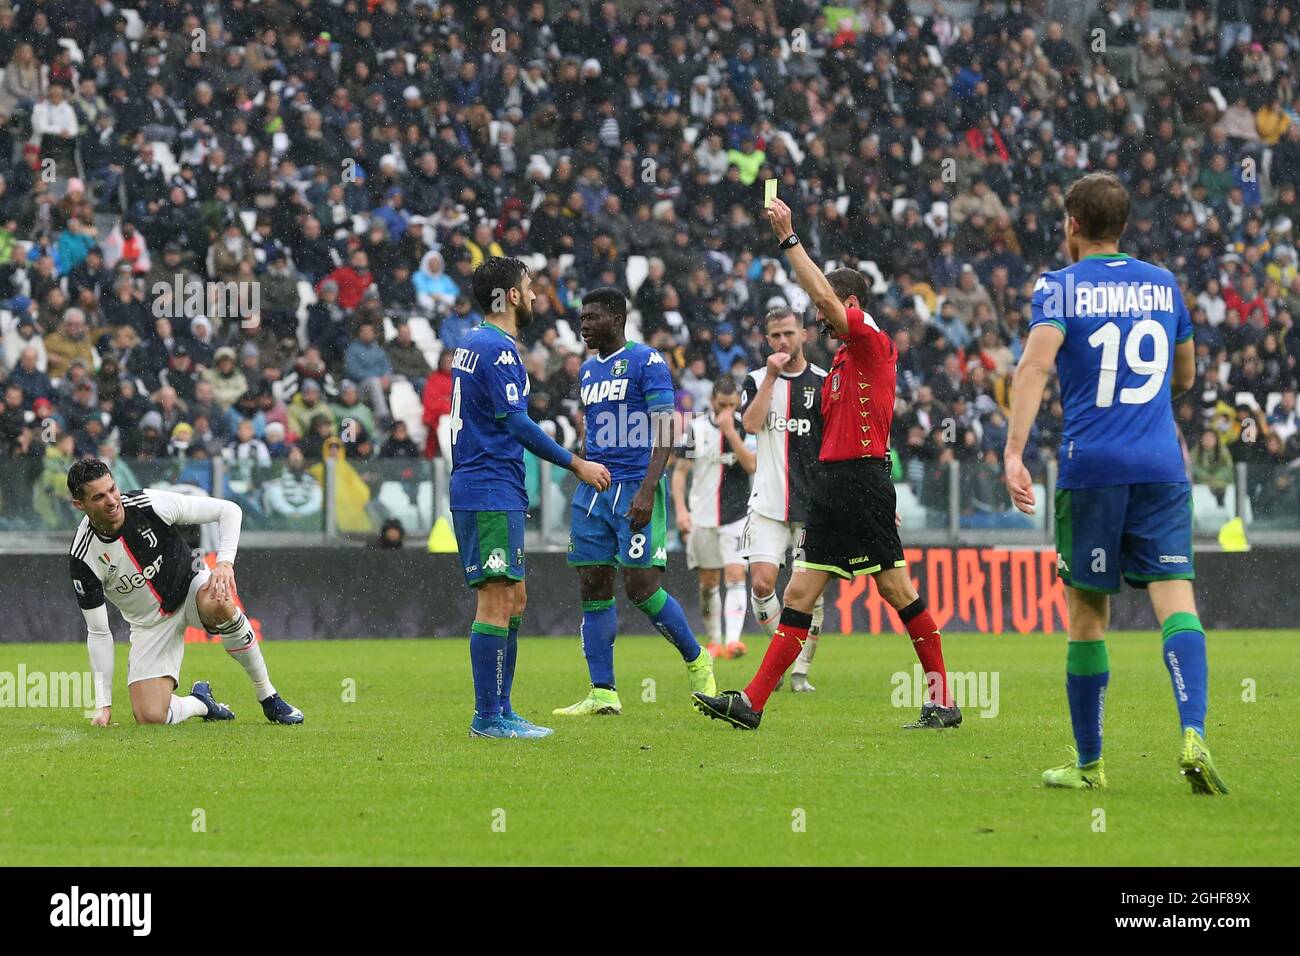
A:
(599, 702)
(700, 671)
(1197, 767)
(1071, 776)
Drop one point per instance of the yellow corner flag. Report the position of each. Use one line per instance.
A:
(1232, 536)
(442, 540)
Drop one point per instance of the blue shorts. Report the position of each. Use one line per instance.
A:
(600, 532)
(491, 545)
(1142, 533)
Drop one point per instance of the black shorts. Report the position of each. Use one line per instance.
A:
(850, 528)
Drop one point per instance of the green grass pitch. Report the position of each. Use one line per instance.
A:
(392, 777)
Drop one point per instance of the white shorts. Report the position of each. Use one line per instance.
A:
(767, 541)
(712, 548)
(157, 650)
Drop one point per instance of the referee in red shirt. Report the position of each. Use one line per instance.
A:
(852, 527)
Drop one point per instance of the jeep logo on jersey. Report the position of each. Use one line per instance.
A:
(809, 396)
(610, 390)
(619, 367)
(505, 358)
(130, 582)
(795, 426)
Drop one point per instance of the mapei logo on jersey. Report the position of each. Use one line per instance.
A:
(795, 426)
(610, 390)
(506, 358)
(619, 367)
(496, 560)
(1173, 559)
(142, 577)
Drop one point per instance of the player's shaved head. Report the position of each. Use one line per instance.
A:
(1099, 205)
(604, 319)
(608, 298)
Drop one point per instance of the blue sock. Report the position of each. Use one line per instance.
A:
(667, 615)
(1184, 654)
(512, 654)
(599, 626)
(487, 655)
(1087, 672)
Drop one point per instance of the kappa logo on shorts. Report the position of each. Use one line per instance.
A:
(496, 560)
(661, 554)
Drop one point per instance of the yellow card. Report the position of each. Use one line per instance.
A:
(769, 192)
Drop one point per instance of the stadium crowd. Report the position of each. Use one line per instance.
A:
(357, 160)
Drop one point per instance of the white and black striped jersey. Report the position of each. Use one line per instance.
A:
(788, 443)
(719, 483)
(147, 567)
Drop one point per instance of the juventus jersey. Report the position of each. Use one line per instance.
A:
(719, 483)
(147, 567)
(788, 443)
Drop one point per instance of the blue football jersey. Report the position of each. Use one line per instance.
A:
(619, 393)
(487, 462)
(1121, 318)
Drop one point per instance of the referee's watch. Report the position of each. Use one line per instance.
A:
(789, 242)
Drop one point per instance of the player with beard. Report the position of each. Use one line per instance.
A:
(490, 429)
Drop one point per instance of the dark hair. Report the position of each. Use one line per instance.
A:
(608, 298)
(1100, 203)
(847, 282)
(83, 473)
(725, 385)
(495, 273)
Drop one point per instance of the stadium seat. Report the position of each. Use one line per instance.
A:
(637, 269)
(163, 154)
(566, 262)
(407, 406)
(70, 45)
(690, 134)
(248, 218)
(395, 498)
(878, 284)
(909, 509)
(1272, 402)
(536, 262)
(1207, 514)
(134, 25)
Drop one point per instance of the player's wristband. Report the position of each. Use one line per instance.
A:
(789, 242)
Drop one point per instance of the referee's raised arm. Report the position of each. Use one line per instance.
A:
(808, 274)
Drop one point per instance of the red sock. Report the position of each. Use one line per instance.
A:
(929, 650)
(781, 653)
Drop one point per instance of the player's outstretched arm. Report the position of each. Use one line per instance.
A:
(529, 434)
(808, 273)
(1026, 395)
(99, 644)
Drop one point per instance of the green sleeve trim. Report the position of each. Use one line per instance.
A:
(515, 621)
(1180, 621)
(654, 603)
(598, 605)
(1087, 658)
(1185, 338)
(479, 627)
(1053, 322)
